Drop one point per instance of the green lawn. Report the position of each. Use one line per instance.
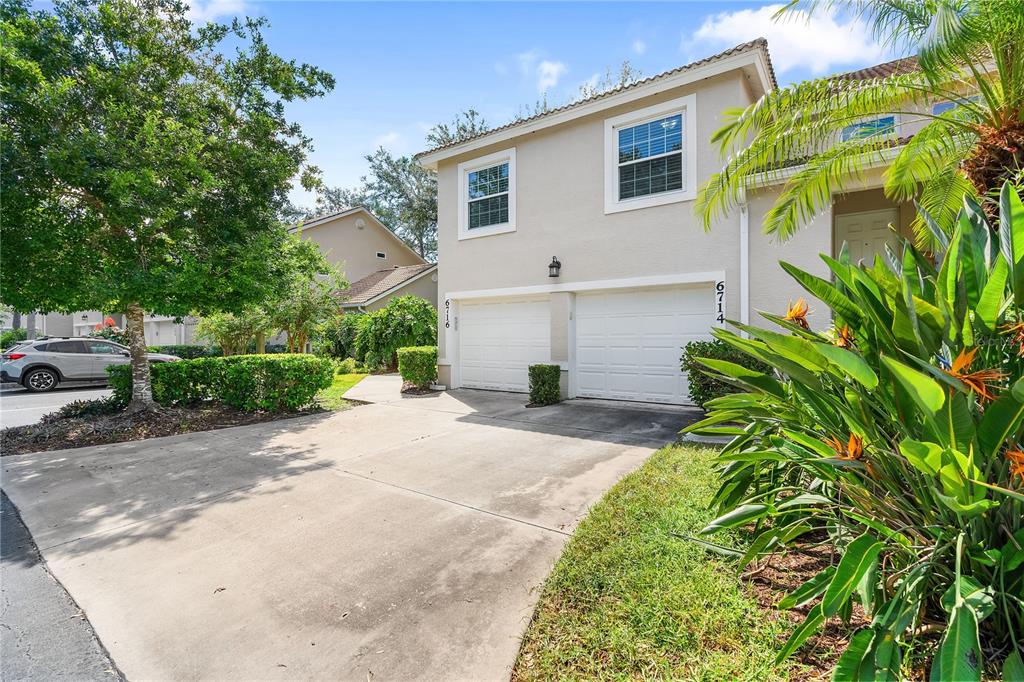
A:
(628, 600)
(330, 398)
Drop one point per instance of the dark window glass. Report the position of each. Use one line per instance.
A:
(664, 174)
(99, 347)
(65, 347)
(489, 211)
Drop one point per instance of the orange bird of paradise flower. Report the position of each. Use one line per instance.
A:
(1017, 330)
(851, 451)
(1016, 460)
(797, 313)
(844, 337)
(981, 382)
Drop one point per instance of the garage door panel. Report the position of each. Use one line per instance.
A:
(499, 340)
(629, 343)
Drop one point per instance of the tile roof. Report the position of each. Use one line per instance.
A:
(758, 43)
(381, 282)
(896, 67)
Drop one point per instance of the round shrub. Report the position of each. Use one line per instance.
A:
(418, 365)
(544, 384)
(704, 387)
(337, 337)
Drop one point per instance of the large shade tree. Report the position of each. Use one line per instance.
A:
(965, 52)
(145, 161)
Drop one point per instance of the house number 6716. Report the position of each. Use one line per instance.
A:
(720, 301)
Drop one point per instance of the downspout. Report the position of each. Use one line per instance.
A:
(744, 263)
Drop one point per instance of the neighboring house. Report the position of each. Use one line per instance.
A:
(376, 289)
(38, 324)
(606, 186)
(358, 242)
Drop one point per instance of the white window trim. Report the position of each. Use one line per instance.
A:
(465, 169)
(687, 106)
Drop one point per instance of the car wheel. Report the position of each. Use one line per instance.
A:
(41, 380)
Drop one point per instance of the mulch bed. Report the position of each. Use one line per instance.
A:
(58, 432)
(774, 578)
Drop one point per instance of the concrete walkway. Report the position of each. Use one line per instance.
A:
(404, 539)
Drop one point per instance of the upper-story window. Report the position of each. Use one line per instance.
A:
(885, 125)
(649, 156)
(487, 195)
(940, 108)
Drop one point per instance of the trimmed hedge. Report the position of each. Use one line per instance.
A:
(187, 352)
(274, 383)
(418, 365)
(544, 384)
(704, 387)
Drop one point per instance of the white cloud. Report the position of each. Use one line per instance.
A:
(819, 42)
(202, 11)
(545, 73)
(387, 140)
(639, 46)
(548, 74)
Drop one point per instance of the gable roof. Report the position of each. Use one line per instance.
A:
(608, 98)
(381, 283)
(319, 220)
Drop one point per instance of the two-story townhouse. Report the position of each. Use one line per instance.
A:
(570, 237)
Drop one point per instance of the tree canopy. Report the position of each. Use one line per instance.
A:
(144, 160)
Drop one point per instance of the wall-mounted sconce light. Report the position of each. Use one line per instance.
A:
(554, 267)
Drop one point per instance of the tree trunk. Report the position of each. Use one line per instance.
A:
(16, 320)
(261, 343)
(31, 331)
(142, 389)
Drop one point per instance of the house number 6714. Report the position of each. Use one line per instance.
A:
(720, 301)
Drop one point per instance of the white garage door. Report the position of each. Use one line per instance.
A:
(500, 339)
(628, 343)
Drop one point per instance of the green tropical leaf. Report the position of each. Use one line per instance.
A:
(925, 392)
(809, 590)
(959, 656)
(826, 292)
(1013, 667)
(803, 631)
(1011, 238)
(857, 559)
(1002, 418)
(850, 666)
(849, 362)
(737, 517)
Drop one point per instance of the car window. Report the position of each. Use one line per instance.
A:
(104, 348)
(64, 347)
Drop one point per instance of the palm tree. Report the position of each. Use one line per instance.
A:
(967, 52)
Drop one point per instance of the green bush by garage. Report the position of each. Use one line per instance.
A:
(418, 365)
(704, 387)
(544, 384)
(273, 383)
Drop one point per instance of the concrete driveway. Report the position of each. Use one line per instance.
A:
(404, 539)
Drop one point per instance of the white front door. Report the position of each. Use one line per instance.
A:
(629, 343)
(500, 339)
(867, 233)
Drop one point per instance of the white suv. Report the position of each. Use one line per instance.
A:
(43, 364)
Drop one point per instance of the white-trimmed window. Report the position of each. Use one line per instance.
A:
(487, 195)
(884, 126)
(650, 158)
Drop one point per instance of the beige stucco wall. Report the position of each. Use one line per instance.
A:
(560, 212)
(424, 287)
(354, 249)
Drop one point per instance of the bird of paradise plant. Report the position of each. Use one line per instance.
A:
(924, 499)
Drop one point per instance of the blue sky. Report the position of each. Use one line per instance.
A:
(402, 67)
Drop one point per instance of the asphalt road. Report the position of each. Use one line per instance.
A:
(45, 634)
(18, 407)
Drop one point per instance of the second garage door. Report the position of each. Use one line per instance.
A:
(500, 339)
(628, 343)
